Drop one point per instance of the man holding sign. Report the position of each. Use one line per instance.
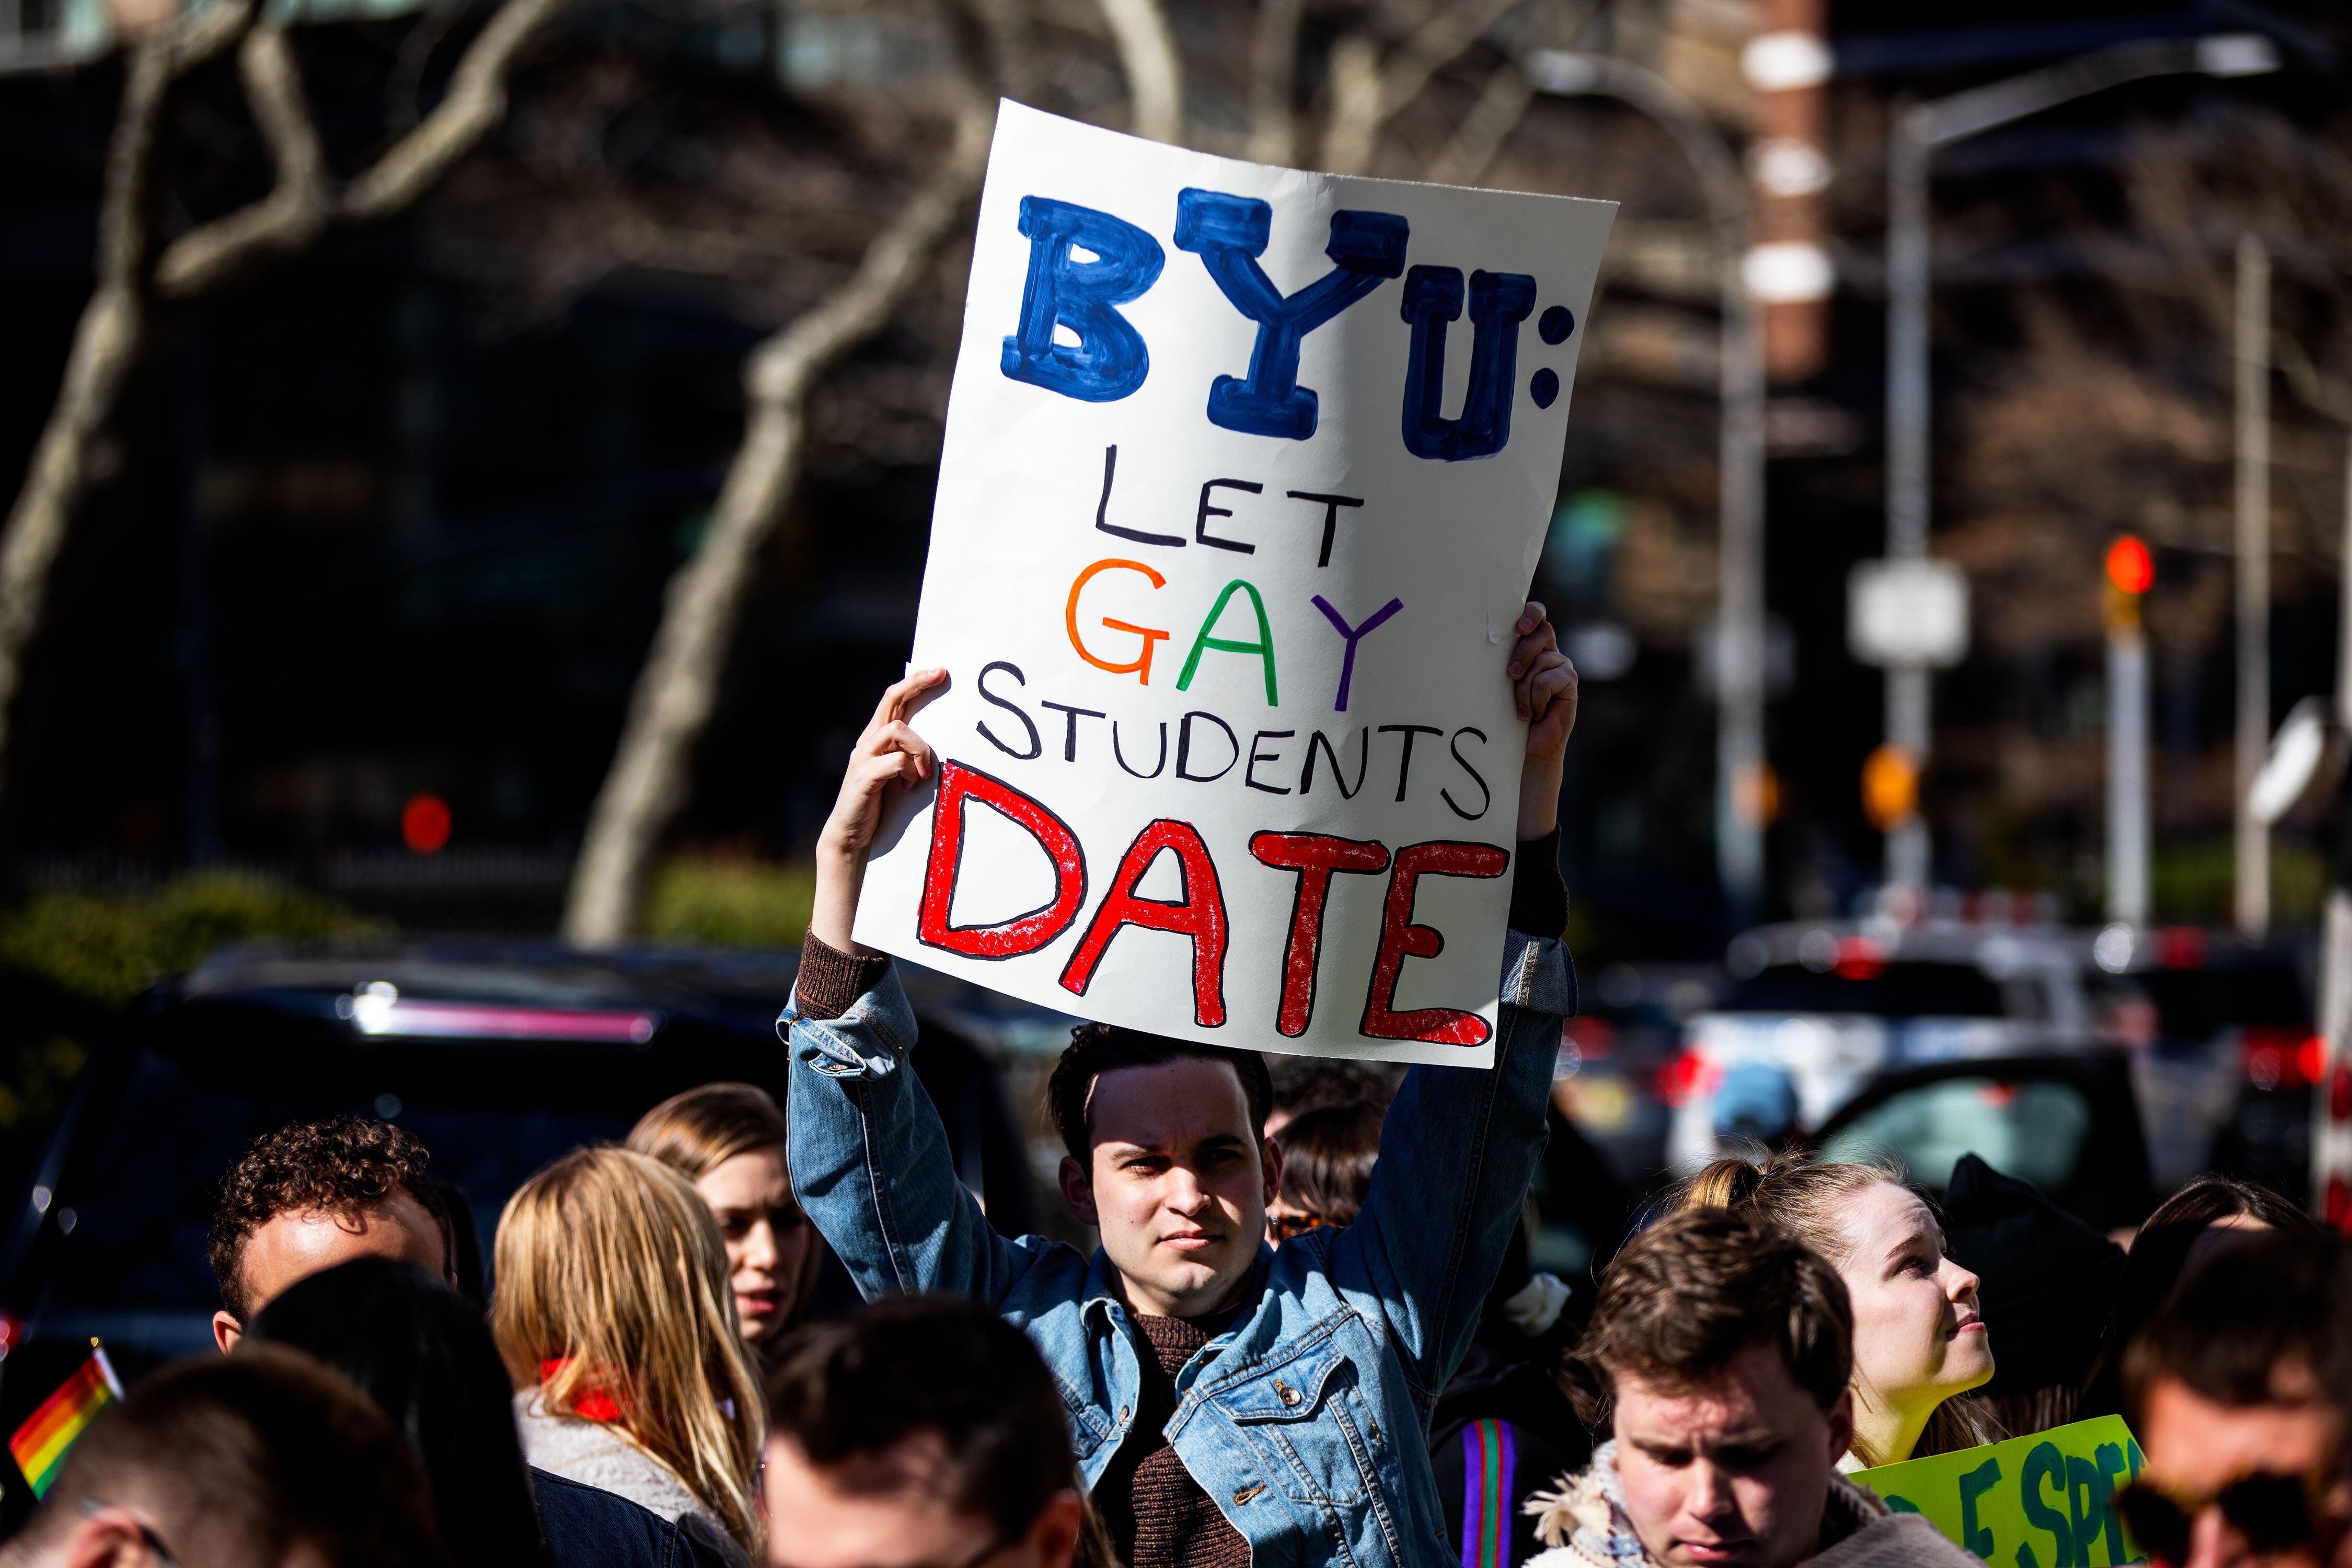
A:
(1232, 1404)
(1226, 677)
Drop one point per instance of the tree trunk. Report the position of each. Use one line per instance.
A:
(116, 331)
(1155, 72)
(671, 707)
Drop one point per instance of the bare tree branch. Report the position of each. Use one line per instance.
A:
(1155, 72)
(116, 328)
(1480, 136)
(1274, 63)
(652, 768)
(1367, 91)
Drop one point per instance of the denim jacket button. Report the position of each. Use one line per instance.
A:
(1285, 1392)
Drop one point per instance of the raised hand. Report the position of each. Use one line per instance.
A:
(889, 756)
(1543, 688)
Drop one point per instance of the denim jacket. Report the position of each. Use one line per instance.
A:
(1307, 1421)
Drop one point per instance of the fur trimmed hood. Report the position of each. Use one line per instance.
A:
(1584, 1523)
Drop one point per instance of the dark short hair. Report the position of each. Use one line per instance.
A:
(242, 1458)
(1328, 1155)
(345, 1167)
(2263, 1305)
(1097, 1048)
(907, 1365)
(424, 1356)
(1699, 1287)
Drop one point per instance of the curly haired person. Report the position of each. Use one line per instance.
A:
(317, 1194)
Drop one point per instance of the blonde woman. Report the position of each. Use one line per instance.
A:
(728, 1139)
(615, 1321)
(1919, 1344)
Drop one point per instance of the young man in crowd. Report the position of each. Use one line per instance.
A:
(922, 1430)
(1232, 1404)
(307, 1197)
(2228, 1389)
(1723, 1349)
(262, 1460)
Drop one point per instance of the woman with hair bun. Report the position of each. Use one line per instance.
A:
(615, 1320)
(728, 1139)
(1919, 1344)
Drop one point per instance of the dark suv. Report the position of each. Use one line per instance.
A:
(499, 1058)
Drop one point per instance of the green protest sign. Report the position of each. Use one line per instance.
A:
(2042, 1501)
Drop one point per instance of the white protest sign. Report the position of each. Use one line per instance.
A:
(1245, 475)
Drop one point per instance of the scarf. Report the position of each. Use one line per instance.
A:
(1586, 1513)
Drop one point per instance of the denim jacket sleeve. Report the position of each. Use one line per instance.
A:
(870, 1161)
(1458, 1152)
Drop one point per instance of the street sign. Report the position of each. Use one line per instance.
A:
(1902, 613)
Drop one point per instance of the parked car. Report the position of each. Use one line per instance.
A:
(2212, 1032)
(499, 1058)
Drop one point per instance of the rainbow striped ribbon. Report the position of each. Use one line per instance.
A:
(1490, 1457)
(40, 1444)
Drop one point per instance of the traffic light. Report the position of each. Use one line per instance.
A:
(2131, 572)
(1890, 787)
(2130, 567)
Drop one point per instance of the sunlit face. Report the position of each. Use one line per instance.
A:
(769, 1239)
(1177, 1185)
(889, 1511)
(1732, 1474)
(2196, 1446)
(1917, 1334)
(291, 1247)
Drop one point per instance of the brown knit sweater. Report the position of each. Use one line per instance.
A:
(1156, 1513)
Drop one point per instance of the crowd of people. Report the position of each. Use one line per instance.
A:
(1311, 1334)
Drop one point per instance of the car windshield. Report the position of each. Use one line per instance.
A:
(2035, 1129)
(1908, 988)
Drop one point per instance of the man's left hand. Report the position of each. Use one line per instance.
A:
(1543, 686)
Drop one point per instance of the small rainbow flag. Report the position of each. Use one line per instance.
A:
(40, 1444)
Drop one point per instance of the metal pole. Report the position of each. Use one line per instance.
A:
(2128, 824)
(1739, 770)
(2331, 1130)
(1908, 850)
(2254, 541)
(1740, 789)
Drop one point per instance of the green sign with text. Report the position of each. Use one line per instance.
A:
(2042, 1501)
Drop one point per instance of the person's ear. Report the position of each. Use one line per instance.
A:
(1270, 1157)
(1053, 1538)
(1079, 1191)
(226, 1331)
(105, 1538)
(1840, 1424)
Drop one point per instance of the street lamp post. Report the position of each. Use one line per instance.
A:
(1919, 132)
(1739, 776)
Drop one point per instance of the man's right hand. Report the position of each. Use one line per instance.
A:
(889, 756)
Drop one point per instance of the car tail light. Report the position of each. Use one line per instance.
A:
(2337, 1208)
(2181, 947)
(2278, 1057)
(1689, 1076)
(2339, 1094)
(1859, 958)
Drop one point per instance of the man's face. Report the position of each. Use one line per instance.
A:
(1177, 1184)
(297, 1245)
(1732, 1474)
(2196, 1446)
(889, 1511)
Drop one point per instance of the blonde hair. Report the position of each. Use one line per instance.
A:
(610, 1262)
(1804, 1200)
(696, 1132)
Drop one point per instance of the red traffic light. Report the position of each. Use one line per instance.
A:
(2129, 566)
(425, 824)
